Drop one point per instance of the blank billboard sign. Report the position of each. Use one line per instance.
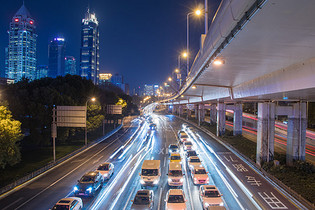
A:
(114, 109)
(71, 116)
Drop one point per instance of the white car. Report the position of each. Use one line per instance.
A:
(73, 203)
(175, 200)
(182, 135)
(193, 161)
(210, 196)
(199, 175)
(184, 126)
(188, 145)
(106, 169)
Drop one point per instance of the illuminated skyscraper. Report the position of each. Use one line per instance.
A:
(56, 57)
(21, 51)
(70, 65)
(89, 53)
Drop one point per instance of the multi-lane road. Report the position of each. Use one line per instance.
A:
(241, 185)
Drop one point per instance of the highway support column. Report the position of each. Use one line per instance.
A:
(265, 132)
(238, 119)
(220, 119)
(180, 110)
(213, 114)
(188, 113)
(196, 108)
(296, 133)
(201, 113)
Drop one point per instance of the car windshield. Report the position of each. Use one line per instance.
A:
(103, 167)
(140, 200)
(200, 171)
(61, 207)
(176, 199)
(173, 147)
(184, 135)
(188, 143)
(87, 179)
(175, 173)
(175, 157)
(192, 153)
(149, 172)
(194, 160)
(211, 194)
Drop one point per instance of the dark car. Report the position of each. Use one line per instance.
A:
(173, 148)
(89, 184)
(190, 153)
(152, 126)
(143, 200)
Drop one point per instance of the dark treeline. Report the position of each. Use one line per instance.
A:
(31, 103)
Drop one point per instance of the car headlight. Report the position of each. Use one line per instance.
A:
(200, 165)
(221, 204)
(105, 175)
(141, 181)
(180, 162)
(181, 180)
(207, 179)
(89, 189)
(156, 182)
(75, 188)
(206, 205)
(169, 180)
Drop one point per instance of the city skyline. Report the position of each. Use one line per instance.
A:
(118, 32)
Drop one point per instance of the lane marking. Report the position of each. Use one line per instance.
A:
(159, 206)
(272, 201)
(8, 206)
(133, 190)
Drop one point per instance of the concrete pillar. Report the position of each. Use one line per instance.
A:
(180, 110)
(188, 113)
(213, 114)
(201, 113)
(265, 132)
(296, 133)
(238, 120)
(196, 111)
(173, 109)
(220, 119)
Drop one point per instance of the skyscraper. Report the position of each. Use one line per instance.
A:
(89, 53)
(42, 71)
(56, 57)
(70, 65)
(21, 51)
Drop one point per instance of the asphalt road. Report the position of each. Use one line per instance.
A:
(241, 186)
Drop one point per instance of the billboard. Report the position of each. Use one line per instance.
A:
(114, 109)
(71, 116)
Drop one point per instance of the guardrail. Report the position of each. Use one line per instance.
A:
(50, 165)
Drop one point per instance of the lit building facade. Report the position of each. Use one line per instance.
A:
(70, 65)
(21, 51)
(41, 71)
(56, 57)
(148, 90)
(89, 53)
(105, 78)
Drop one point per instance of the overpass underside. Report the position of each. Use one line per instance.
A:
(268, 49)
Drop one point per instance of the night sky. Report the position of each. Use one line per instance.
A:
(140, 39)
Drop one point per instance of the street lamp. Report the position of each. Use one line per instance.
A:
(197, 13)
(170, 79)
(93, 99)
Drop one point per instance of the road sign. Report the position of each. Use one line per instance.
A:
(114, 109)
(71, 116)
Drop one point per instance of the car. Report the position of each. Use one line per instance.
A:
(210, 196)
(175, 175)
(143, 200)
(175, 158)
(199, 175)
(182, 135)
(184, 125)
(188, 145)
(190, 153)
(150, 173)
(152, 126)
(71, 203)
(106, 169)
(193, 161)
(173, 148)
(89, 184)
(175, 199)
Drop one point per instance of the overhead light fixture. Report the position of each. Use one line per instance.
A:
(194, 87)
(218, 62)
(182, 96)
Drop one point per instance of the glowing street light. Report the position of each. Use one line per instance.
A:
(194, 87)
(170, 79)
(218, 62)
(93, 99)
(176, 71)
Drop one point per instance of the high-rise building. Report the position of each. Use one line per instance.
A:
(56, 57)
(117, 79)
(70, 65)
(148, 90)
(41, 71)
(21, 51)
(89, 55)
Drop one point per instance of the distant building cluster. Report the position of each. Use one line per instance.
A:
(20, 55)
(146, 90)
(116, 79)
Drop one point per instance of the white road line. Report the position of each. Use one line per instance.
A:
(160, 198)
(64, 176)
(165, 161)
(129, 198)
(8, 206)
(98, 159)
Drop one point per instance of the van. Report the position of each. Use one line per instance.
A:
(150, 173)
(175, 175)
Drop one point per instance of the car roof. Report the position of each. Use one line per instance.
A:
(194, 157)
(175, 154)
(175, 192)
(143, 193)
(175, 165)
(210, 187)
(66, 200)
(91, 173)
